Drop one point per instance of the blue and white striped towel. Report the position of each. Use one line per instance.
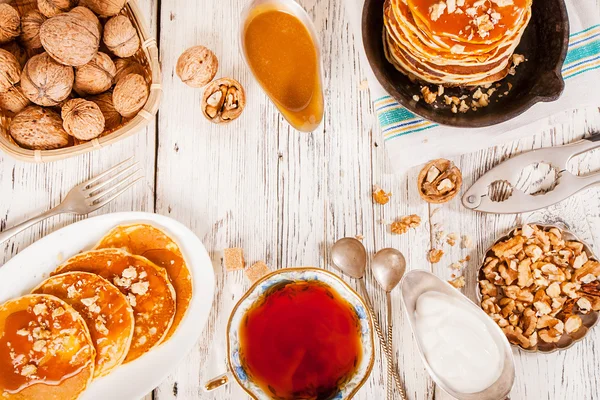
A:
(410, 140)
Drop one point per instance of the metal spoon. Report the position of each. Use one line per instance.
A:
(349, 256)
(388, 267)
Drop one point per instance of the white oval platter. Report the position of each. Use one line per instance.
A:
(136, 379)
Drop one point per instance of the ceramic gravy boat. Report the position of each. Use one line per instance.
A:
(239, 372)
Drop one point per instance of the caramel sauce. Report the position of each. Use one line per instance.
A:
(301, 341)
(64, 355)
(284, 60)
(455, 24)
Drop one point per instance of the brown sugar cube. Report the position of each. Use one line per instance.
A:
(234, 259)
(256, 271)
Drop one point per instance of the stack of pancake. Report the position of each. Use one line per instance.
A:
(98, 310)
(454, 42)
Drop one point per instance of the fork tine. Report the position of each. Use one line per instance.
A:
(114, 187)
(114, 196)
(105, 173)
(110, 180)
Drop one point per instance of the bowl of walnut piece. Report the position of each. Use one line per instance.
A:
(541, 285)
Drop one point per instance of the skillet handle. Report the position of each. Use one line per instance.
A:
(217, 382)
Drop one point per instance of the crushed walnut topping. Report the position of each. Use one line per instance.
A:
(531, 288)
(439, 181)
(458, 282)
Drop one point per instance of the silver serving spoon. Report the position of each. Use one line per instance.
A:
(349, 256)
(388, 267)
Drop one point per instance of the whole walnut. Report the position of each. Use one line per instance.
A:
(38, 128)
(197, 66)
(16, 50)
(126, 66)
(82, 119)
(10, 70)
(46, 82)
(14, 100)
(112, 117)
(51, 8)
(88, 14)
(10, 23)
(95, 77)
(130, 95)
(121, 37)
(70, 38)
(104, 8)
(30, 29)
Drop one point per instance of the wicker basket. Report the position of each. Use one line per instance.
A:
(147, 56)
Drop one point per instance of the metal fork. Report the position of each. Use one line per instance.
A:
(87, 196)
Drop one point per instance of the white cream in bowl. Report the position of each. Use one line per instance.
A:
(457, 344)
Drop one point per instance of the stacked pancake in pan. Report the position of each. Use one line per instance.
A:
(464, 43)
(98, 310)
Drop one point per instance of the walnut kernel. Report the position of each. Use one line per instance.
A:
(223, 101)
(380, 196)
(439, 181)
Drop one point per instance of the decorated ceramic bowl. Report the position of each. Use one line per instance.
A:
(259, 291)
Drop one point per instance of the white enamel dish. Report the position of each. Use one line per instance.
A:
(136, 379)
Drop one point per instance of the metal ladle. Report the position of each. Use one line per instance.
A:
(388, 267)
(349, 256)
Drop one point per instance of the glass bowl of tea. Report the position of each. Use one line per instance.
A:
(300, 333)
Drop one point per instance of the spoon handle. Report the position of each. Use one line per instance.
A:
(382, 341)
(390, 348)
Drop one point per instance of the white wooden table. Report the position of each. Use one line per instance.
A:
(285, 196)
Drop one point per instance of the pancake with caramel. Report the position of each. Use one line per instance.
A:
(150, 242)
(105, 310)
(145, 285)
(454, 42)
(46, 351)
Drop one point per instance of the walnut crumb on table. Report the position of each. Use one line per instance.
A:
(405, 223)
(435, 255)
(380, 196)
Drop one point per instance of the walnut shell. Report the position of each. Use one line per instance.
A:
(112, 117)
(121, 37)
(38, 128)
(126, 66)
(71, 39)
(130, 95)
(19, 52)
(82, 119)
(30, 29)
(439, 181)
(10, 70)
(51, 8)
(46, 82)
(197, 66)
(14, 100)
(95, 77)
(89, 15)
(104, 8)
(10, 23)
(223, 101)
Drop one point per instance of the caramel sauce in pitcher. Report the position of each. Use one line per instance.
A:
(284, 59)
(301, 341)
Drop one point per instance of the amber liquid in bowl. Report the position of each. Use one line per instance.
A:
(301, 340)
(284, 59)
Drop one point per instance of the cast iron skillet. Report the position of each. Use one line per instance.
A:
(544, 44)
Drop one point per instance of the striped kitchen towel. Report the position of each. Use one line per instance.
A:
(411, 140)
